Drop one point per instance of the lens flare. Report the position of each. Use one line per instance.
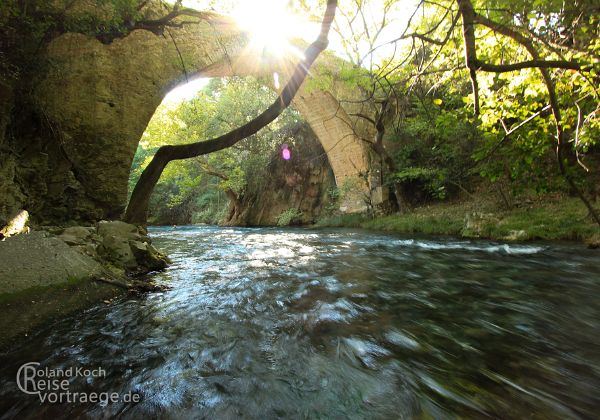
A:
(269, 24)
(285, 152)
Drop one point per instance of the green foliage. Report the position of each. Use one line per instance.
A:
(437, 144)
(417, 222)
(550, 220)
(430, 180)
(349, 186)
(288, 217)
(433, 149)
(333, 202)
(209, 207)
(342, 220)
(193, 190)
(345, 76)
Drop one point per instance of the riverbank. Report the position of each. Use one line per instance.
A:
(553, 218)
(54, 271)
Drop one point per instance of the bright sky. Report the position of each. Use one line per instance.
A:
(186, 91)
(271, 24)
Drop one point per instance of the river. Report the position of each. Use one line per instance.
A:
(298, 323)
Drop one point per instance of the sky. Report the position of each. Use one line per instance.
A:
(185, 92)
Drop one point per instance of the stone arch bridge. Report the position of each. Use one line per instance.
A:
(102, 96)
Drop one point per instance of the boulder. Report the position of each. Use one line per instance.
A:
(38, 260)
(76, 235)
(118, 229)
(127, 247)
(118, 246)
(147, 257)
(479, 225)
(116, 250)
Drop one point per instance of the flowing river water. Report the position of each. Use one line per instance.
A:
(295, 323)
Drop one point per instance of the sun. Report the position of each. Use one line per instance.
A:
(269, 24)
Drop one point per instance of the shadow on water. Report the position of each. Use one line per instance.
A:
(266, 323)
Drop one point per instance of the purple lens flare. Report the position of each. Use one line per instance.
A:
(285, 152)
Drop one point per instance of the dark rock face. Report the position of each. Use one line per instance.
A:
(36, 173)
(301, 183)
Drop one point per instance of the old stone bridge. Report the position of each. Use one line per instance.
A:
(100, 98)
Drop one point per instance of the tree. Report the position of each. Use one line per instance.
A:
(360, 28)
(525, 39)
(515, 38)
(138, 204)
(188, 188)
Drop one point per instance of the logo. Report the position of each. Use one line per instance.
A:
(53, 385)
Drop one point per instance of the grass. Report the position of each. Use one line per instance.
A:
(428, 221)
(547, 218)
(342, 220)
(567, 219)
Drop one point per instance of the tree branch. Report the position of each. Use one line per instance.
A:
(469, 19)
(138, 205)
(538, 64)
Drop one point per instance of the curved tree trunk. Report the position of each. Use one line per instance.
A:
(137, 210)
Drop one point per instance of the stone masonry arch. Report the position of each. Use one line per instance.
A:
(101, 98)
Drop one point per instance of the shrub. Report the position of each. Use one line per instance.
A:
(289, 217)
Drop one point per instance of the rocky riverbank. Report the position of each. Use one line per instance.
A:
(53, 271)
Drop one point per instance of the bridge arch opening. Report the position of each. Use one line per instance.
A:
(102, 122)
(319, 111)
(258, 171)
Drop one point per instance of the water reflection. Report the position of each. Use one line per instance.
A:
(265, 323)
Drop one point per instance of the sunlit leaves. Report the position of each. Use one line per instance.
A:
(219, 107)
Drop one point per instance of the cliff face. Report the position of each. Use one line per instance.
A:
(36, 173)
(301, 184)
(11, 194)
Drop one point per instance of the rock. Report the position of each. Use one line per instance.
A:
(124, 246)
(79, 231)
(116, 250)
(516, 235)
(127, 247)
(16, 225)
(478, 225)
(119, 229)
(38, 260)
(148, 257)
(76, 235)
